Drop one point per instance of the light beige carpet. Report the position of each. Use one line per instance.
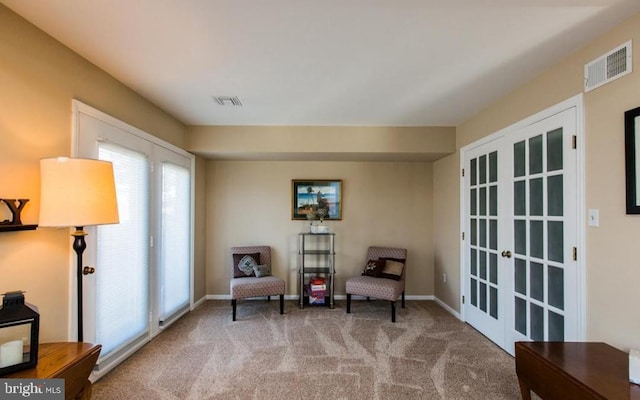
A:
(315, 353)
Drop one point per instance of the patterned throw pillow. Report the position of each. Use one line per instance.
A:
(238, 258)
(246, 265)
(262, 270)
(392, 270)
(373, 268)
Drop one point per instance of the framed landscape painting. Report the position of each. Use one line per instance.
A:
(632, 159)
(309, 196)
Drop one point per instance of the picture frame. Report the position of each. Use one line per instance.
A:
(632, 164)
(309, 195)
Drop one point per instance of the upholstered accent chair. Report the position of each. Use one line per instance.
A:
(386, 283)
(244, 284)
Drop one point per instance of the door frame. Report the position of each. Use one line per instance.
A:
(576, 102)
(155, 144)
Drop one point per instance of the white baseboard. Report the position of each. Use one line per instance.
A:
(295, 297)
(228, 297)
(419, 298)
(199, 302)
(218, 297)
(414, 298)
(344, 297)
(448, 308)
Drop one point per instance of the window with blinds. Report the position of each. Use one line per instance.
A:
(122, 292)
(143, 278)
(175, 240)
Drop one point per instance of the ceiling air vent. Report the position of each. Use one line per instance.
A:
(609, 67)
(228, 101)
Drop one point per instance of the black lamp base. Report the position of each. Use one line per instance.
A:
(79, 246)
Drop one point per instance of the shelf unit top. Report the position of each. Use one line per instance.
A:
(316, 270)
(15, 228)
(316, 252)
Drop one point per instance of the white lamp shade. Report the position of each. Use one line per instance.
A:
(77, 192)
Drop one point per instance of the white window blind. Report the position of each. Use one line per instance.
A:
(175, 246)
(122, 287)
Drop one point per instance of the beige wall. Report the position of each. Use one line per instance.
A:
(200, 231)
(336, 143)
(446, 218)
(385, 204)
(38, 79)
(612, 253)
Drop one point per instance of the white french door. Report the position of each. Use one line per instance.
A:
(521, 274)
(485, 203)
(544, 231)
(143, 265)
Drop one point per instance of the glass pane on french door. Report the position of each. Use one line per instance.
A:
(539, 225)
(175, 247)
(122, 284)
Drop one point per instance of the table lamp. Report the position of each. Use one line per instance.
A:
(77, 192)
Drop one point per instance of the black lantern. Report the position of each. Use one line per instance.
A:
(19, 326)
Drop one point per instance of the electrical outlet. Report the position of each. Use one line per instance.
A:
(594, 217)
(444, 277)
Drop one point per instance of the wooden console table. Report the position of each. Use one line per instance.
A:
(71, 361)
(570, 370)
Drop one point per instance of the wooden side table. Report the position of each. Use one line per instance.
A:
(71, 361)
(572, 370)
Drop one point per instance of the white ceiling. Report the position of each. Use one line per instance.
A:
(331, 62)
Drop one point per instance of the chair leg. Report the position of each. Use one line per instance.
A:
(281, 304)
(233, 305)
(368, 299)
(403, 299)
(393, 311)
(268, 298)
(348, 303)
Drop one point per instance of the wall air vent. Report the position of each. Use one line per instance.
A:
(228, 101)
(611, 66)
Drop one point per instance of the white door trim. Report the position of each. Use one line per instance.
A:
(576, 102)
(156, 151)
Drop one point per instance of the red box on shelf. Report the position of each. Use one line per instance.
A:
(316, 297)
